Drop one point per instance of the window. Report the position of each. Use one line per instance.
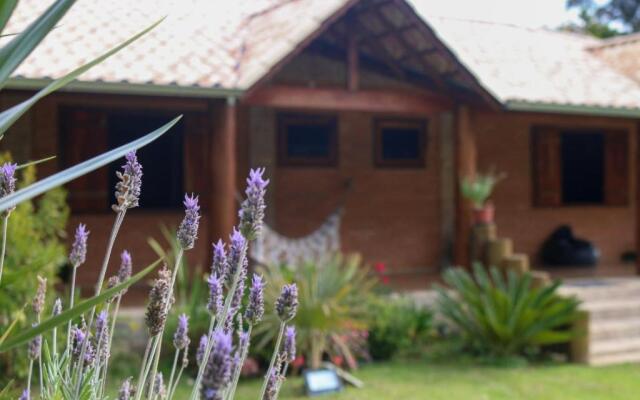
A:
(307, 140)
(580, 166)
(400, 143)
(162, 159)
(85, 133)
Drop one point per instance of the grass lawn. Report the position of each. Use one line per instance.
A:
(420, 380)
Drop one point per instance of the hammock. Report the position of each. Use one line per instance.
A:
(272, 248)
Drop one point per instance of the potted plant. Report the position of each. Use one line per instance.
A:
(478, 189)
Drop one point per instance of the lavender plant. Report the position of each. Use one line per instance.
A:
(80, 368)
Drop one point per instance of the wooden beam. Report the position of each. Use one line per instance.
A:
(297, 97)
(465, 165)
(353, 68)
(223, 206)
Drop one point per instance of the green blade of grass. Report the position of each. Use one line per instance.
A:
(82, 307)
(6, 10)
(83, 168)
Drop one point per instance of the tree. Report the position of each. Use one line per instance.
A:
(611, 18)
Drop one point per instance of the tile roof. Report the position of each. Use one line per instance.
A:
(232, 44)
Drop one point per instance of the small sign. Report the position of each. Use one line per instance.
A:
(321, 381)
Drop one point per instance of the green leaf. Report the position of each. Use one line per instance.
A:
(36, 162)
(9, 116)
(14, 53)
(82, 307)
(6, 9)
(8, 331)
(83, 168)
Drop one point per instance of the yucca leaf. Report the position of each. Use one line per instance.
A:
(14, 52)
(35, 162)
(83, 168)
(6, 9)
(76, 311)
(9, 116)
(6, 333)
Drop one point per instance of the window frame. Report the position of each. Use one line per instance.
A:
(421, 125)
(284, 120)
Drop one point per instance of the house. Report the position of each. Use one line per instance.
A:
(370, 104)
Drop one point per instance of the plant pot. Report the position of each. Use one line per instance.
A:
(485, 214)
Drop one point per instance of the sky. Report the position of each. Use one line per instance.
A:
(533, 13)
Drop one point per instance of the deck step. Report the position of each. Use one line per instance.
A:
(609, 291)
(629, 344)
(614, 329)
(615, 358)
(613, 309)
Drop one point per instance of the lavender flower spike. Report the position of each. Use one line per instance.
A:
(159, 297)
(215, 295)
(57, 307)
(287, 302)
(24, 395)
(255, 309)
(159, 389)
(219, 265)
(124, 272)
(273, 381)
(35, 346)
(38, 301)
(217, 373)
(78, 253)
(289, 347)
(130, 184)
(202, 346)
(236, 254)
(181, 336)
(102, 336)
(252, 208)
(188, 230)
(125, 390)
(7, 181)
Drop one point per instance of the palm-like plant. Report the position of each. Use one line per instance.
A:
(332, 303)
(504, 317)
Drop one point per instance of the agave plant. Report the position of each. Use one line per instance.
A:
(504, 317)
(478, 189)
(333, 298)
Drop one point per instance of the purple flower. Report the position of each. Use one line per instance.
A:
(35, 346)
(273, 382)
(78, 253)
(102, 336)
(57, 307)
(287, 302)
(290, 344)
(130, 184)
(160, 299)
(252, 208)
(202, 345)
(181, 336)
(255, 309)
(215, 295)
(38, 300)
(219, 265)
(217, 373)
(125, 390)
(7, 182)
(158, 386)
(236, 255)
(25, 395)
(124, 272)
(188, 230)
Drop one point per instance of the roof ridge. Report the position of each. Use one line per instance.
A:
(617, 41)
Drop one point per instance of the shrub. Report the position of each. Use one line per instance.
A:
(498, 317)
(333, 299)
(34, 247)
(397, 325)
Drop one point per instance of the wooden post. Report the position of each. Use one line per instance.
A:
(465, 165)
(353, 78)
(223, 207)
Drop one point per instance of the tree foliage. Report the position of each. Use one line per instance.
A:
(611, 18)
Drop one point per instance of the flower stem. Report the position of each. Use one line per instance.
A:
(276, 350)
(173, 389)
(143, 367)
(205, 358)
(236, 377)
(5, 222)
(29, 377)
(173, 370)
(113, 326)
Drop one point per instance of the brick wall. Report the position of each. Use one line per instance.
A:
(504, 143)
(392, 215)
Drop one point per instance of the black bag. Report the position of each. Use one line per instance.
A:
(563, 249)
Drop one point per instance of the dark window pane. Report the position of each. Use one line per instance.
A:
(308, 141)
(400, 144)
(162, 160)
(582, 167)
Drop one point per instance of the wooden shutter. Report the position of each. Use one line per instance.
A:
(196, 157)
(616, 168)
(84, 135)
(547, 167)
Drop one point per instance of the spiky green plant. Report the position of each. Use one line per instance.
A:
(479, 188)
(500, 317)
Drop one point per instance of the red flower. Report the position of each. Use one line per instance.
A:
(380, 267)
